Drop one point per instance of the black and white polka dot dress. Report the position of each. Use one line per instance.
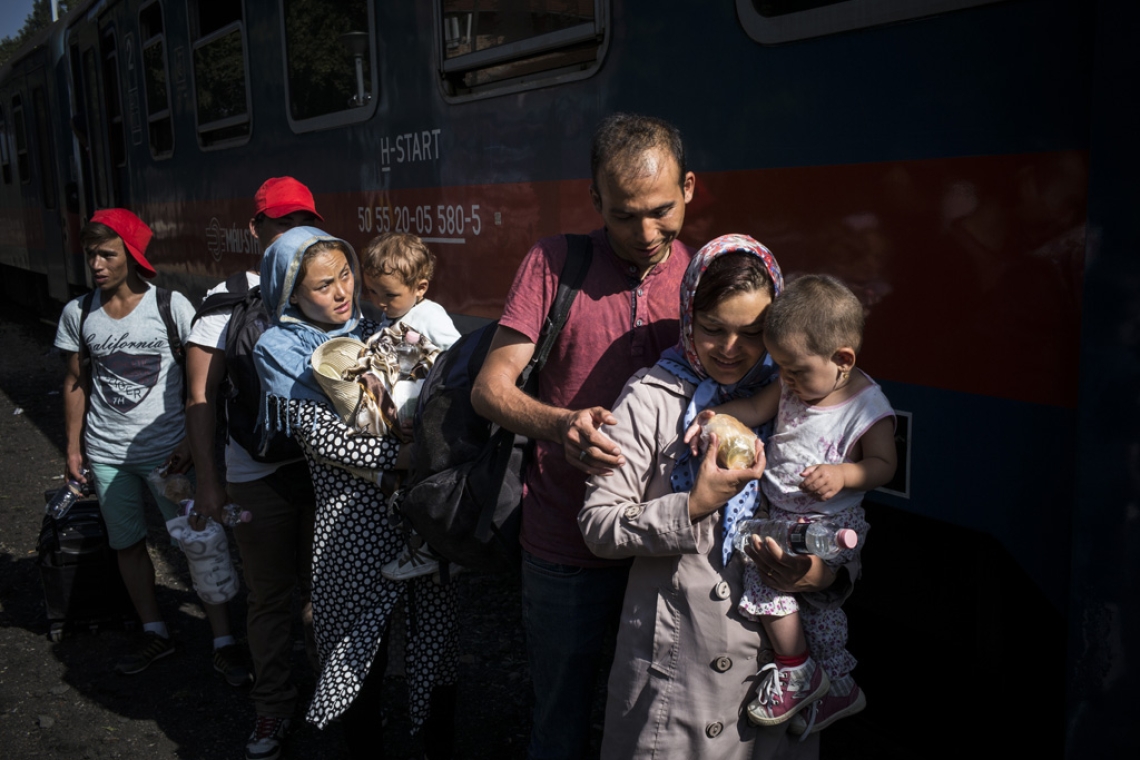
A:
(352, 601)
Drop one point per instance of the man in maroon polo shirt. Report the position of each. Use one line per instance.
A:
(624, 317)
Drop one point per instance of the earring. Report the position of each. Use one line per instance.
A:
(845, 374)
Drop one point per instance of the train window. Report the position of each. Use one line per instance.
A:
(330, 63)
(23, 170)
(116, 134)
(221, 76)
(160, 125)
(773, 21)
(5, 156)
(42, 131)
(499, 46)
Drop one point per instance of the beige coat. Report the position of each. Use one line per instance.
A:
(686, 660)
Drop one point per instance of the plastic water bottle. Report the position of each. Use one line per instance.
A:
(232, 514)
(408, 353)
(822, 538)
(69, 493)
(208, 555)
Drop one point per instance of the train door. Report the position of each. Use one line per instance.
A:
(43, 133)
(98, 122)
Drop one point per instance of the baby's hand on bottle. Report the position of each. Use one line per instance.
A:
(823, 480)
(693, 433)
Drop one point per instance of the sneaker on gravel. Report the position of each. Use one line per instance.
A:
(230, 662)
(154, 647)
(783, 692)
(413, 562)
(268, 735)
(819, 715)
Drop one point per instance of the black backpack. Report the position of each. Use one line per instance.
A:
(464, 485)
(242, 388)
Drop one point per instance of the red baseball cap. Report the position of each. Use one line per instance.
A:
(133, 232)
(279, 196)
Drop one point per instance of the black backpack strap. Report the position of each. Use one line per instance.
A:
(579, 254)
(172, 338)
(84, 310)
(237, 287)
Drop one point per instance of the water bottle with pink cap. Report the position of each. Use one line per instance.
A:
(823, 538)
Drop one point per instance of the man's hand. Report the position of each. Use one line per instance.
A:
(585, 445)
(823, 480)
(180, 461)
(75, 466)
(208, 502)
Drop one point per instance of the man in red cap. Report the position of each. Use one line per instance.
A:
(123, 412)
(276, 545)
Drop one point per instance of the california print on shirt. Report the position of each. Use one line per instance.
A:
(126, 379)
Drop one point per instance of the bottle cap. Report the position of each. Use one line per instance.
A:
(847, 538)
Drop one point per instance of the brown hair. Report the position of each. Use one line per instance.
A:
(622, 139)
(729, 274)
(95, 234)
(401, 254)
(820, 310)
(313, 251)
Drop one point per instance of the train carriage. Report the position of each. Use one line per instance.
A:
(964, 165)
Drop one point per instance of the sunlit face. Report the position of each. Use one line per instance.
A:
(324, 296)
(109, 263)
(644, 212)
(814, 378)
(392, 295)
(729, 338)
(270, 229)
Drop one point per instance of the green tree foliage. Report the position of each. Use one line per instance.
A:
(322, 73)
(39, 18)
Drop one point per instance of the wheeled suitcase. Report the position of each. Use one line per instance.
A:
(80, 572)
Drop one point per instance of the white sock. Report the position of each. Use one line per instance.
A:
(224, 641)
(157, 628)
(842, 686)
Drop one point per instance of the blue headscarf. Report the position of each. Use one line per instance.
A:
(282, 353)
(682, 360)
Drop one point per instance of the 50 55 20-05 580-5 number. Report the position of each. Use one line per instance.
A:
(446, 220)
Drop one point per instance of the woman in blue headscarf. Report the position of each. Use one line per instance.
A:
(685, 657)
(311, 291)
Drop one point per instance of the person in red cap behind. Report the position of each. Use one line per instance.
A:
(276, 545)
(123, 407)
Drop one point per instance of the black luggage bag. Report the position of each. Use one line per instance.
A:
(80, 572)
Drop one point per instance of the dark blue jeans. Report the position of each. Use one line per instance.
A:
(567, 612)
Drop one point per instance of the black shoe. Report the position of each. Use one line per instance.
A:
(230, 662)
(154, 647)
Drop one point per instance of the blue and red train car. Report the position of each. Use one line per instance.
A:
(967, 166)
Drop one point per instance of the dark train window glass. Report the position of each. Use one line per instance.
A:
(221, 76)
(209, 16)
(160, 126)
(770, 8)
(150, 21)
(220, 80)
(774, 21)
(497, 45)
(5, 156)
(23, 170)
(328, 56)
(116, 133)
(95, 127)
(42, 131)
